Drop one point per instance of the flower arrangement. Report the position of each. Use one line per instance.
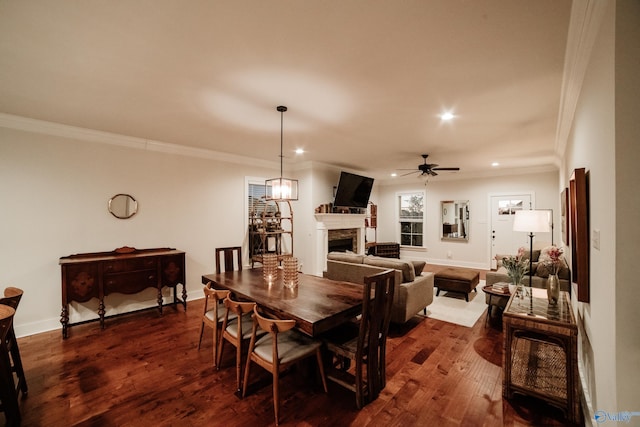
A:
(517, 266)
(553, 259)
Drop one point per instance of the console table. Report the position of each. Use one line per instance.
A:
(125, 270)
(540, 352)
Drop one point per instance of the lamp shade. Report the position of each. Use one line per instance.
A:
(531, 221)
(282, 189)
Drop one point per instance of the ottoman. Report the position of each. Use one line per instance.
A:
(456, 280)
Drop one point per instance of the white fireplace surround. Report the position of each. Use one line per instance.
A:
(330, 221)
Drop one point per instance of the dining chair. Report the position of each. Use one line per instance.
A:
(212, 315)
(228, 257)
(236, 332)
(12, 297)
(8, 398)
(280, 348)
(364, 342)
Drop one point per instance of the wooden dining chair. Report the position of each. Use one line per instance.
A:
(280, 348)
(212, 315)
(236, 332)
(12, 297)
(8, 398)
(364, 342)
(228, 255)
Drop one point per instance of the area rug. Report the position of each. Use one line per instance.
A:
(451, 307)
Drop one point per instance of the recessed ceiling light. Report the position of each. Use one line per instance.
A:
(494, 164)
(299, 151)
(447, 116)
(394, 174)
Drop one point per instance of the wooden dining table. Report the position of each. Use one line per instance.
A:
(317, 304)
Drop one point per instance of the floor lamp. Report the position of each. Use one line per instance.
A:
(531, 221)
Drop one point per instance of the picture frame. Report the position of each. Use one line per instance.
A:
(579, 217)
(564, 215)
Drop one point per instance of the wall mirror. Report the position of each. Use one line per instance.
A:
(123, 206)
(455, 220)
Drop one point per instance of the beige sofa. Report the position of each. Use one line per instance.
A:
(413, 292)
(540, 273)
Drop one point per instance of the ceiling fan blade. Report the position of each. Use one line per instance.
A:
(408, 173)
(446, 169)
(432, 173)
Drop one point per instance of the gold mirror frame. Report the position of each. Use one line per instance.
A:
(123, 206)
(454, 220)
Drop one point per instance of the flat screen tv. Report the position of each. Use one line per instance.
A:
(353, 191)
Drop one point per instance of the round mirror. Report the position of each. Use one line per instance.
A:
(123, 206)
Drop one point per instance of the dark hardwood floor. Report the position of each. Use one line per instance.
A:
(145, 370)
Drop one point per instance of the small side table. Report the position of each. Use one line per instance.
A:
(496, 298)
(540, 352)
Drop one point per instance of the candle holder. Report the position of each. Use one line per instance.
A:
(270, 268)
(290, 266)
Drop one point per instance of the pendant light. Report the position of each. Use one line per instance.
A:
(281, 188)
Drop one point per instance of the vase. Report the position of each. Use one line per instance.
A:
(553, 289)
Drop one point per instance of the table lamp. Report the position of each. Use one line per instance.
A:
(531, 221)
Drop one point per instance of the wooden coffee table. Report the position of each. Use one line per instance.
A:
(496, 298)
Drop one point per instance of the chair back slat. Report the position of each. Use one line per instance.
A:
(229, 255)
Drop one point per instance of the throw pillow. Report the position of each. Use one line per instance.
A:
(408, 271)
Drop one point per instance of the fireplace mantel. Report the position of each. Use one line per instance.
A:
(335, 221)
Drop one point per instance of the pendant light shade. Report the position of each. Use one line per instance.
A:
(281, 188)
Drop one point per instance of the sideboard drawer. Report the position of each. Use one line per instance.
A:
(131, 282)
(117, 266)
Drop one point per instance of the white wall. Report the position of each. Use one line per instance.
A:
(604, 140)
(55, 192)
(476, 252)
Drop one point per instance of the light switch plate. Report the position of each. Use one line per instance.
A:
(596, 238)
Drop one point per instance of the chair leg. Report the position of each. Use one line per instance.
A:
(220, 349)
(216, 352)
(17, 364)
(247, 368)
(238, 364)
(276, 393)
(201, 332)
(321, 369)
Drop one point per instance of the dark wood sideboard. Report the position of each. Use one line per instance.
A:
(125, 270)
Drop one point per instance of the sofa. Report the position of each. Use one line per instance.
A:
(540, 272)
(413, 291)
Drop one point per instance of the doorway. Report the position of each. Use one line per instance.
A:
(503, 209)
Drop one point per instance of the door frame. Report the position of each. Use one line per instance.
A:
(530, 193)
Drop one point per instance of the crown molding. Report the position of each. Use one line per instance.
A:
(89, 135)
(584, 25)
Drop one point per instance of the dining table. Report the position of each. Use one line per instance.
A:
(317, 304)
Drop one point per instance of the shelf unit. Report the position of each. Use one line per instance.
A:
(270, 229)
(371, 221)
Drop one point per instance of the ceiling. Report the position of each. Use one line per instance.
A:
(364, 80)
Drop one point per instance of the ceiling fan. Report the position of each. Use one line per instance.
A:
(428, 168)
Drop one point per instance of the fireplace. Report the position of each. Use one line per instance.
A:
(337, 232)
(342, 240)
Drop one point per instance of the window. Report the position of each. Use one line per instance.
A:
(411, 218)
(256, 198)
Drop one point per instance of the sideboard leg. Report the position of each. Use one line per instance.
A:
(64, 319)
(101, 312)
(184, 296)
(160, 300)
